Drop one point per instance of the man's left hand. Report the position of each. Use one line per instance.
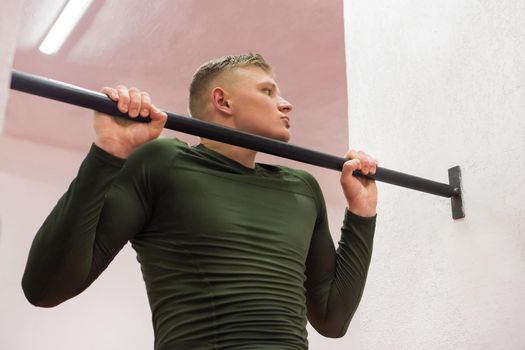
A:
(360, 193)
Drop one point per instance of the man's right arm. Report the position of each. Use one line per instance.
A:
(103, 207)
(64, 248)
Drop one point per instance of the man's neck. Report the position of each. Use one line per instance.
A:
(241, 155)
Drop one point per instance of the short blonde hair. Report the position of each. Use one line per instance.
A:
(199, 87)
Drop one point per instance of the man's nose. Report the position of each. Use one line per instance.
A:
(284, 106)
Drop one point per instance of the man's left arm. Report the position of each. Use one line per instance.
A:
(335, 279)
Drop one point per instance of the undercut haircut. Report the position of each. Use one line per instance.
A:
(201, 83)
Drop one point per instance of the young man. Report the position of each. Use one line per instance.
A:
(235, 254)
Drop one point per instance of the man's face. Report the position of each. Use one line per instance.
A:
(256, 105)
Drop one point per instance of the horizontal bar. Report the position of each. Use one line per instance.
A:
(81, 97)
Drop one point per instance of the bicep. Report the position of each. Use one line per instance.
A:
(129, 203)
(124, 214)
(320, 263)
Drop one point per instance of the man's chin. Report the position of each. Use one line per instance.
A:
(283, 137)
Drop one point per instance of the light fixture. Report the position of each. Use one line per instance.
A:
(63, 26)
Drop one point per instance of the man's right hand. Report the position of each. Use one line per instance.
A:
(120, 137)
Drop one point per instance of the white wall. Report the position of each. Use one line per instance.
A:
(431, 85)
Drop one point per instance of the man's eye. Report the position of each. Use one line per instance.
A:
(268, 91)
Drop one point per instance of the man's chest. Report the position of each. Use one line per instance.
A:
(252, 209)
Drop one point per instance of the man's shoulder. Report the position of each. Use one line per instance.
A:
(304, 176)
(160, 148)
(155, 154)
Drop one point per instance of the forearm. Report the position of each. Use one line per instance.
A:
(333, 301)
(61, 255)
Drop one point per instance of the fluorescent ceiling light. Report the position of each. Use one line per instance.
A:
(65, 23)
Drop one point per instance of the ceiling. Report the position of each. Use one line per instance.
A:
(157, 45)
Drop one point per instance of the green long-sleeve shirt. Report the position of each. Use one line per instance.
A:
(232, 257)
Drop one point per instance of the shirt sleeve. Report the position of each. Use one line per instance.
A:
(335, 279)
(106, 204)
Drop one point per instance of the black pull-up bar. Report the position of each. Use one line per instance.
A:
(78, 96)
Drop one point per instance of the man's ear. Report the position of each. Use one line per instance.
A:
(220, 100)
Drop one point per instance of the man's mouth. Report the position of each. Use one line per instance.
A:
(286, 121)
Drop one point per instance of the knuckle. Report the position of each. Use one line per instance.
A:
(146, 100)
(124, 99)
(350, 154)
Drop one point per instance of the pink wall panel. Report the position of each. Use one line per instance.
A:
(156, 46)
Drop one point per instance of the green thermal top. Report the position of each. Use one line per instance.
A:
(232, 257)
